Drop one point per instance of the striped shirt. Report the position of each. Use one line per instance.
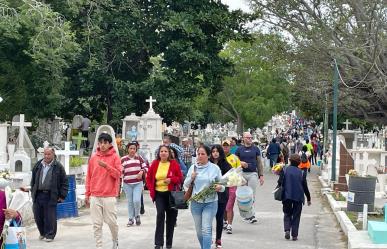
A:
(131, 167)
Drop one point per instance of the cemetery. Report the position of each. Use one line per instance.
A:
(299, 77)
(358, 193)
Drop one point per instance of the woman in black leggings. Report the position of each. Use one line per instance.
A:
(218, 157)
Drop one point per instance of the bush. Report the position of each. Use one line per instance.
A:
(76, 161)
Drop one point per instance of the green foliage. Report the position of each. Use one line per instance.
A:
(116, 72)
(36, 47)
(259, 87)
(76, 161)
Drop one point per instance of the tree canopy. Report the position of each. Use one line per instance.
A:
(350, 31)
(102, 59)
(260, 85)
(36, 47)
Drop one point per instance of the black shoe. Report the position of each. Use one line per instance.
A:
(169, 247)
(294, 238)
(142, 211)
(287, 235)
(158, 247)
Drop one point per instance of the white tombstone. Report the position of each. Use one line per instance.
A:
(11, 153)
(21, 124)
(3, 146)
(65, 156)
(21, 160)
(150, 130)
(105, 129)
(77, 121)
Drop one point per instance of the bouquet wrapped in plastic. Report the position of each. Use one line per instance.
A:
(277, 168)
(233, 178)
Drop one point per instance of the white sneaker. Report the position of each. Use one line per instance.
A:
(229, 229)
(252, 219)
(115, 244)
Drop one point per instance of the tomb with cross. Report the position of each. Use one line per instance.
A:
(150, 101)
(347, 123)
(21, 160)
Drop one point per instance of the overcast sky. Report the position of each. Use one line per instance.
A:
(237, 4)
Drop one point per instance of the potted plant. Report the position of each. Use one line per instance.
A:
(75, 165)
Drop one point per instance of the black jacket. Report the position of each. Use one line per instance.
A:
(59, 182)
(224, 168)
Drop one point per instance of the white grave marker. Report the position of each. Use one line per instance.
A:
(67, 153)
(21, 124)
(150, 101)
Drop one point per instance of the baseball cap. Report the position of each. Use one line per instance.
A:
(226, 142)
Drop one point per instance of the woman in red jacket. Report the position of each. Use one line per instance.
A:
(163, 176)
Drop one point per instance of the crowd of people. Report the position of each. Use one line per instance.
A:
(177, 167)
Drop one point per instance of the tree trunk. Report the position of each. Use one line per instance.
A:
(239, 124)
(109, 116)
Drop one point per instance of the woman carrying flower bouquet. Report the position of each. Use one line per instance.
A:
(204, 207)
(164, 175)
(218, 157)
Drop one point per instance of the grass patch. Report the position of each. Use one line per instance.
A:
(338, 197)
(359, 224)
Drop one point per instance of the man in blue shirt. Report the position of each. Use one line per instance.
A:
(250, 157)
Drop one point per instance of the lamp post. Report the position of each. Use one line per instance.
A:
(335, 100)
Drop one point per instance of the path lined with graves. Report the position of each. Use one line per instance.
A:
(318, 227)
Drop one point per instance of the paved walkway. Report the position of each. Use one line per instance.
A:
(318, 228)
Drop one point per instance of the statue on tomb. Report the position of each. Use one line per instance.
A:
(132, 134)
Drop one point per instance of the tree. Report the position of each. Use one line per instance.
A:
(118, 40)
(259, 87)
(36, 46)
(352, 32)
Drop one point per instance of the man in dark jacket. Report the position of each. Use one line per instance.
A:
(273, 152)
(49, 186)
(294, 187)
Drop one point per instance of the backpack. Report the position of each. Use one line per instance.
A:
(304, 158)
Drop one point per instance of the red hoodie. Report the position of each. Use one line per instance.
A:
(174, 173)
(100, 181)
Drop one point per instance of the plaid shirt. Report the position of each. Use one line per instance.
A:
(188, 152)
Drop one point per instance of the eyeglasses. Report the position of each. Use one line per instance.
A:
(249, 137)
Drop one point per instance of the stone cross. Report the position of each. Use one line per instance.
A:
(67, 153)
(21, 124)
(150, 101)
(79, 140)
(347, 123)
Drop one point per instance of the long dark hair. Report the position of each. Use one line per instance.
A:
(222, 155)
(176, 156)
(158, 152)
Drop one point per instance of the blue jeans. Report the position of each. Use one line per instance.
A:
(203, 215)
(133, 194)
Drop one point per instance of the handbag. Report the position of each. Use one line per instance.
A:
(176, 200)
(188, 193)
(278, 193)
(15, 237)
